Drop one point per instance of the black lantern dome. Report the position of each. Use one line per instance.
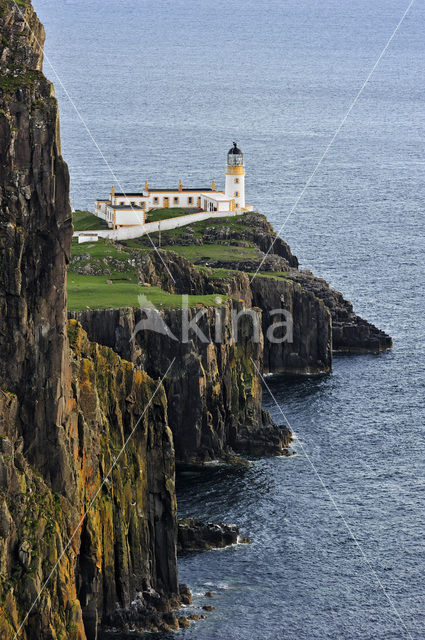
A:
(235, 156)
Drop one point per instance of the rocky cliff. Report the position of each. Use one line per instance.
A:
(122, 530)
(35, 237)
(350, 332)
(307, 347)
(213, 388)
(67, 560)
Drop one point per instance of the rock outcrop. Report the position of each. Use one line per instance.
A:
(308, 327)
(128, 538)
(195, 535)
(213, 388)
(350, 332)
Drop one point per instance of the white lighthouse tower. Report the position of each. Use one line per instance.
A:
(235, 177)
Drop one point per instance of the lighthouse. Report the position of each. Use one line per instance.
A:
(235, 177)
(133, 209)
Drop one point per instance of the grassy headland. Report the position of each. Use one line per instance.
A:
(105, 274)
(86, 221)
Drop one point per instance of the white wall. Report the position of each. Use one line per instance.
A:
(87, 237)
(183, 197)
(127, 218)
(233, 187)
(127, 233)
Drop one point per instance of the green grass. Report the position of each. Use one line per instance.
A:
(229, 273)
(86, 221)
(212, 252)
(103, 248)
(94, 292)
(235, 224)
(155, 215)
(279, 275)
(103, 257)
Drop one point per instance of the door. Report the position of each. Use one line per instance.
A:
(166, 202)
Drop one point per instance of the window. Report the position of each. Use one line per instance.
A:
(190, 200)
(176, 200)
(236, 194)
(236, 180)
(142, 204)
(121, 202)
(155, 200)
(133, 204)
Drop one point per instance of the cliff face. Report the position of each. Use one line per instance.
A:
(350, 332)
(35, 236)
(308, 347)
(65, 414)
(127, 539)
(213, 388)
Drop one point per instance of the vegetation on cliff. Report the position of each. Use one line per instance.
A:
(122, 547)
(221, 249)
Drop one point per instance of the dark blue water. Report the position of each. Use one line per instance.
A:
(165, 87)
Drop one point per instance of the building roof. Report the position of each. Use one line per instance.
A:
(141, 195)
(199, 189)
(128, 195)
(217, 196)
(129, 207)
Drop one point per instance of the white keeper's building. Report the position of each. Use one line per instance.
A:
(132, 209)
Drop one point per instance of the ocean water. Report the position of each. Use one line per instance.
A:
(164, 88)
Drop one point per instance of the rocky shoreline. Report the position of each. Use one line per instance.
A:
(195, 535)
(89, 436)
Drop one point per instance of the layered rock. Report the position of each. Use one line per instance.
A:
(350, 332)
(35, 238)
(195, 535)
(122, 525)
(213, 388)
(307, 328)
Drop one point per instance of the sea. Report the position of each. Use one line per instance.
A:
(159, 90)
